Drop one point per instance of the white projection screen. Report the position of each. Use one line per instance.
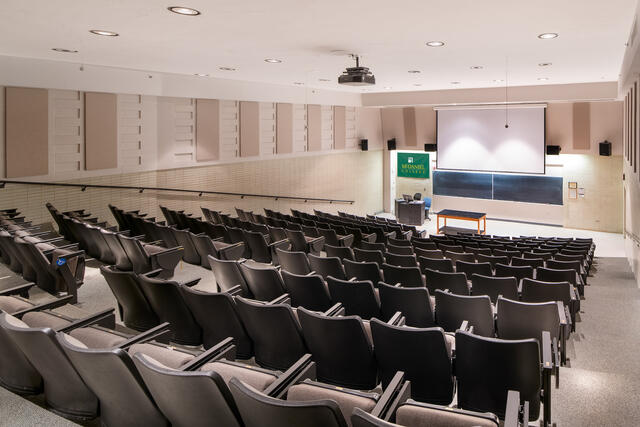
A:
(476, 139)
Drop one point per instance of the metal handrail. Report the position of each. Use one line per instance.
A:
(141, 189)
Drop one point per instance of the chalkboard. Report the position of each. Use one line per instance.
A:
(527, 188)
(462, 184)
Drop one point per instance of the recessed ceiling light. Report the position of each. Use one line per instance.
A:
(201, 75)
(273, 61)
(545, 36)
(544, 64)
(298, 83)
(104, 33)
(388, 87)
(180, 10)
(455, 83)
(59, 49)
(324, 80)
(226, 68)
(498, 80)
(414, 71)
(417, 84)
(476, 67)
(435, 44)
(543, 79)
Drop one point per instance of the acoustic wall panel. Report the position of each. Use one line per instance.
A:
(66, 133)
(26, 132)
(267, 128)
(207, 129)
(339, 127)
(409, 118)
(581, 126)
(351, 130)
(314, 128)
(100, 130)
(229, 130)
(527, 188)
(462, 184)
(249, 129)
(326, 127)
(284, 128)
(300, 128)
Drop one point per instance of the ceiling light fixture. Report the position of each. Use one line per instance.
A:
(388, 87)
(298, 83)
(104, 33)
(546, 36)
(59, 49)
(476, 67)
(543, 79)
(455, 83)
(413, 71)
(498, 80)
(226, 68)
(201, 75)
(324, 80)
(435, 44)
(181, 10)
(544, 64)
(417, 84)
(273, 61)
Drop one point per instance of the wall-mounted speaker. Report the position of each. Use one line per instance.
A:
(391, 144)
(605, 148)
(430, 147)
(364, 144)
(553, 150)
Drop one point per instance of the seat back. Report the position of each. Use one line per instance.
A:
(330, 235)
(407, 276)
(414, 303)
(258, 246)
(437, 264)
(189, 398)
(455, 282)
(167, 302)
(298, 242)
(275, 332)
(341, 349)
(17, 374)
(471, 268)
(260, 410)
(539, 291)
(400, 250)
(264, 282)
(327, 266)
(217, 315)
(339, 252)
(494, 286)
(293, 262)
(460, 256)
(531, 262)
(519, 272)
(453, 309)
(424, 356)
(377, 246)
(122, 261)
(190, 254)
(520, 320)
(553, 275)
(136, 253)
(357, 297)
(484, 382)
(363, 255)
(401, 260)
(135, 310)
(428, 253)
(308, 291)
(363, 271)
(492, 260)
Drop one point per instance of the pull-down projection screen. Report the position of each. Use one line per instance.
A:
(475, 139)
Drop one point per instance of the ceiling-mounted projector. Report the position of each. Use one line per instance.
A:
(357, 76)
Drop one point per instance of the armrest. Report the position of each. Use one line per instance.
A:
(395, 319)
(547, 361)
(511, 415)
(52, 240)
(280, 244)
(336, 310)
(71, 255)
(561, 313)
(464, 326)
(167, 259)
(17, 289)
(282, 299)
(59, 302)
(236, 290)
(192, 283)
(388, 396)
(303, 368)
(155, 243)
(87, 321)
(153, 273)
(221, 350)
(146, 336)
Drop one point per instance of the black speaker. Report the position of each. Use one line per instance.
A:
(391, 144)
(364, 144)
(605, 148)
(430, 147)
(553, 150)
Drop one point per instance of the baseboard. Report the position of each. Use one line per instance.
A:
(526, 222)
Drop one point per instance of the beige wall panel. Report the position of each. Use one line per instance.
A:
(314, 127)
(425, 125)
(560, 125)
(606, 121)
(100, 130)
(207, 129)
(284, 128)
(26, 132)
(339, 127)
(392, 126)
(369, 126)
(409, 118)
(249, 128)
(581, 126)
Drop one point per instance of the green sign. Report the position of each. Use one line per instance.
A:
(413, 165)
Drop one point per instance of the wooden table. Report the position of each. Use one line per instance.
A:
(463, 215)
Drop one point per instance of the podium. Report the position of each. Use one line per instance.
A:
(411, 213)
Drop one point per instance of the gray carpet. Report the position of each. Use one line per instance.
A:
(599, 388)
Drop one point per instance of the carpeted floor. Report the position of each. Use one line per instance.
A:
(599, 388)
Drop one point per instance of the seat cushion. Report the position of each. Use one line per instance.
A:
(418, 416)
(97, 338)
(15, 322)
(74, 342)
(256, 378)
(153, 249)
(165, 356)
(13, 304)
(39, 319)
(346, 399)
(42, 247)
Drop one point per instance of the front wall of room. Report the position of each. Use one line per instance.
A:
(567, 124)
(157, 142)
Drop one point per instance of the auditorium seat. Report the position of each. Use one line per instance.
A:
(341, 252)
(566, 275)
(454, 282)
(415, 304)
(261, 250)
(263, 280)
(406, 276)
(438, 264)
(492, 260)
(530, 262)
(228, 275)
(460, 256)
(519, 272)
(327, 266)
(401, 260)
(357, 297)
(494, 286)
(452, 310)
(293, 262)
(471, 268)
(334, 239)
(363, 271)
(428, 253)
(304, 243)
(148, 258)
(364, 255)
(538, 291)
(308, 291)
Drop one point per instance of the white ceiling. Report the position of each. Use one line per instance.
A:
(390, 36)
